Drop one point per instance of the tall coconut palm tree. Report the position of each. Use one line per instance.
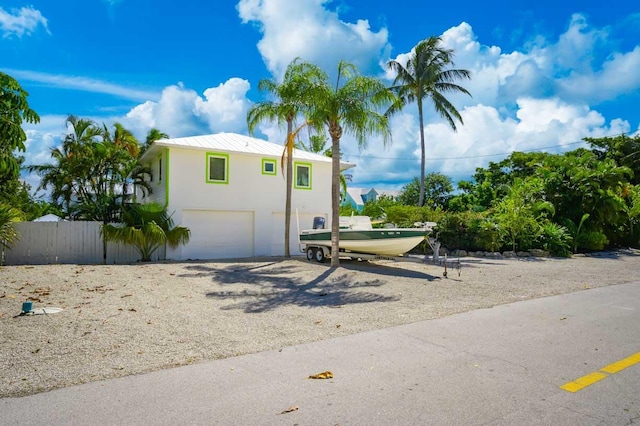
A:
(147, 227)
(352, 106)
(427, 75)
(289, 100)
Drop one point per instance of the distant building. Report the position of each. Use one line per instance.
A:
(49, 218)
(357, 197)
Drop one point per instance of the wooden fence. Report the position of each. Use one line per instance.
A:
(42, 243)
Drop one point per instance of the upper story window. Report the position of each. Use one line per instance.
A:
(217, 168)
(268, 167)
(302, 175)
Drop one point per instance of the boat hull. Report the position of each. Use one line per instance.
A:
(384, 242)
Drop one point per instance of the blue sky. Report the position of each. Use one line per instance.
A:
(544, 74)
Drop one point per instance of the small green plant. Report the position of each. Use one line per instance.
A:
(146, 227)
(556, 239)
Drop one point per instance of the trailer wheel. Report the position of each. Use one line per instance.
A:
(319, 255)
(311, 253)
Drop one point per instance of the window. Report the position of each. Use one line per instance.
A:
(160, 169)
(217, 168)
(302, 175)
(268, 167)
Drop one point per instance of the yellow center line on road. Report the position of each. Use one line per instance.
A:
(589, 379)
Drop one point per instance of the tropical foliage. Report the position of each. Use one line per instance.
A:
(351, 106)
(146, 227)
(14, 109)
(290, 100)
(8, 216)
(427, 75)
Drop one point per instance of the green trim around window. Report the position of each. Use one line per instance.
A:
(219, 156)
(302, 181)
(166, 177)
(269, 162)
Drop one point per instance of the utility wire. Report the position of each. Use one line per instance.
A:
(464, 157)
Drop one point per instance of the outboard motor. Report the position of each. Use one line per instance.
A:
(318, 222)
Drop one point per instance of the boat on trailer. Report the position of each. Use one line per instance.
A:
(358, 238)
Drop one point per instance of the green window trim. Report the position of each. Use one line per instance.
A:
(225, 169)
(166, 177)
(302, 180)
(269, 163)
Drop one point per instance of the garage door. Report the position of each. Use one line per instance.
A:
(218, 234)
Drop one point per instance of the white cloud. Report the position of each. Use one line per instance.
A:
(486, 136)
(307, 29)
(84, 84)
(543, 96)
(21, 21)
(182, 112)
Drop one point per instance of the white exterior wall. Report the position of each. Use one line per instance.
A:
(158, 181)
(249, 210)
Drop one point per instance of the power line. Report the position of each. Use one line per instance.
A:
(464, 157)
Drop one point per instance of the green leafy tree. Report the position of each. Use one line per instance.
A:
(437, 191)
(147, 227)
(377, 209)
(427, 75)
(290, 99)
(14, 109)
(8, 216)
(622, 149)
(351, 107)
(521, 212)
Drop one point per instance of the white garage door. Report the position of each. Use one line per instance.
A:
(218, 234)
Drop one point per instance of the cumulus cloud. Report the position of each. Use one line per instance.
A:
(182, 112)
(486, 136)
(307, 29)
(21, 21)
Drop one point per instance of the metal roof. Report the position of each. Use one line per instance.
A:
(233, 142)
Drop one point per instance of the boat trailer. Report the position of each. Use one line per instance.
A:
(320, 253)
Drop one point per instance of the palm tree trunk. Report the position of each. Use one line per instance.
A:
(335, 131)
(287, 208)
(422, 157)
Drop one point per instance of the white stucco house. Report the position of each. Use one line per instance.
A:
(229, 190)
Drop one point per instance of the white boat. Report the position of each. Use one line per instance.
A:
(357, 235)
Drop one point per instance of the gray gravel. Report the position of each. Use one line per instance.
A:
(129, 319)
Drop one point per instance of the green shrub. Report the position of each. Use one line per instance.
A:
(591, 241)
(555, 239)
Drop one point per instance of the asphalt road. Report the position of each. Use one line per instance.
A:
(508, 365)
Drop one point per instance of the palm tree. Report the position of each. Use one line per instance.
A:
(317, 145)
(425, 75)
(67, 173)
(290, 99)
(351, 107)
(146, 227)
(152, 136)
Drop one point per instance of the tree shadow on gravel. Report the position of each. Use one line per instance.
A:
(266, 287)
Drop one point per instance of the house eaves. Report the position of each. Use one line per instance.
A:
(236, 143)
